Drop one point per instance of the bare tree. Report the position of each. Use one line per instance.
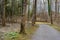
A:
(50, 11)
(34, 11)
(3, 12)
(23, 15)
(28, 9)
(56, 10)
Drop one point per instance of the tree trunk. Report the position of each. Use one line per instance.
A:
(22, 25)
(56, 11)
(34, 12)
(3, 15)
(28, 9)
(49, 11)
(23, 16)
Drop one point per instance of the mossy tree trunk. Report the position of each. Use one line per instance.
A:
(23, 16)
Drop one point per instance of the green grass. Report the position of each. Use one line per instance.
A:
(42, 23)
(52, 25)
(17, 36)
(55, 26)
(31, 29)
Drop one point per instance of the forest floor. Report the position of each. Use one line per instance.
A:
(10, 27)
(46, 32)
(15, 27)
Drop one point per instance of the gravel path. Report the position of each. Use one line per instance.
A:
(45, 32)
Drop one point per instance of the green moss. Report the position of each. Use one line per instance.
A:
(31, 29)
(17, 36)
(55, 26)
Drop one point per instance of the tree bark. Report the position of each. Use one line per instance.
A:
(3, 15)
(49, 11)
(56, 11)
(34, 12)
(23, 16)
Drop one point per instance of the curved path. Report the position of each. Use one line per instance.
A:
(45, 32)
